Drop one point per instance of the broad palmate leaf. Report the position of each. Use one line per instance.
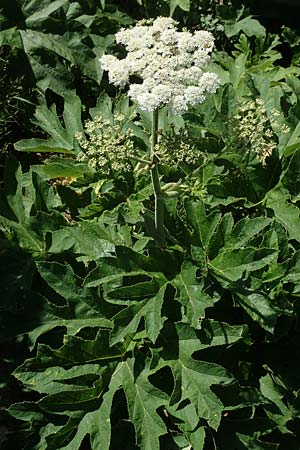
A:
(191, 293)
(62, 139)
(80, 380)
(26, 208)
(193, 378)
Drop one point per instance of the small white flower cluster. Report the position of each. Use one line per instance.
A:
(168, 62)
(254, 129)
(106, 146)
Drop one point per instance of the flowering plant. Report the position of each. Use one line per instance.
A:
(109, 340)
(170, 66)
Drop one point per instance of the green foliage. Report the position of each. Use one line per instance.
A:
(54, 37)
(109, 340)
(62, 139)
(16, 100)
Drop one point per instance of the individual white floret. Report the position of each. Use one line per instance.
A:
(118, 73)
(136, 61)
(210, 82)
(163, 93)
(194, 95)
(180, 61)
(186, 42)
(148, 101)
(201, 58)
(169, 37)
(160, 24)
(178, 104)
(203, 40)
(108, 62)
(135, 38)
(192, 75)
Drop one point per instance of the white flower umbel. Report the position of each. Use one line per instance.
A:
(169, 64)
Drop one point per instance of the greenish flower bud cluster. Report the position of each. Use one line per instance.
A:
(196, 188)
(255, 129)
(175, 149)
(106, 146)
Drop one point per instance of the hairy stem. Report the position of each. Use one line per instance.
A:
(158, 195)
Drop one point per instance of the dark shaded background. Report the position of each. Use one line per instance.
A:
(275, 13)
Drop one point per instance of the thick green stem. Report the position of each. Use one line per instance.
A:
(158, 195)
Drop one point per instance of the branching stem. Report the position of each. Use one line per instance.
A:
(158, 195)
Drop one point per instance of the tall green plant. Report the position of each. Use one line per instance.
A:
(170, 64)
